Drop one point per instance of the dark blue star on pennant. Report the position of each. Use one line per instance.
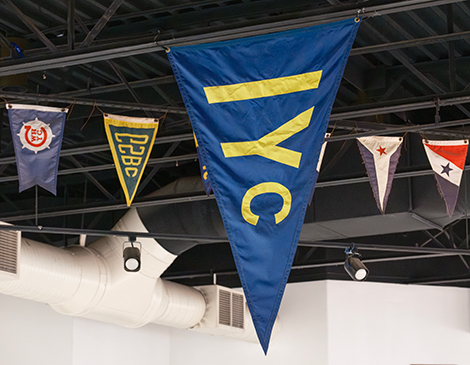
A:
(446, 169)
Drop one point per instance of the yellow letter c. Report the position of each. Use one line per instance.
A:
(264, 188)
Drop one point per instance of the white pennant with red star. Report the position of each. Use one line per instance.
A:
(380, 156)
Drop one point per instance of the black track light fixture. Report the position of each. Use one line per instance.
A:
(354, 266)
(131, 255)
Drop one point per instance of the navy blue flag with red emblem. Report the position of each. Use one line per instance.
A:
(259, 107)
(37, 137)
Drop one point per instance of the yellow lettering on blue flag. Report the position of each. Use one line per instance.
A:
(267, 146)
(263, 88)
(131, 141)
(265, 188)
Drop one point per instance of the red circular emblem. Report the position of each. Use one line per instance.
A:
(35, 135)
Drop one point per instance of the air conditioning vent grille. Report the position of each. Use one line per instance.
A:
(238, 311)
(9, 251)
(231, 309)
(224, 307)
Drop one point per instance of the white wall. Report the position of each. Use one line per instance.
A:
(32, 333)
(97, 343)
(371, 323)
(324, 323)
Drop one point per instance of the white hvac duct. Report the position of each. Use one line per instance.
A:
(91, 282)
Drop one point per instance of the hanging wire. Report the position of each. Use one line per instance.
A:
(167, 49)
(161, 119)
(352, 132)
(423, 137)
(70, 108)
(92, 111)
(334, 127)
(97, 107)
(403, 139)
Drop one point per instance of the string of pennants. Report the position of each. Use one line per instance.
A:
(37, 133)
(37, 137)
(380, 156)
(259, 107)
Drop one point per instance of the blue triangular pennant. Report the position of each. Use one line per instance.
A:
(259, 107)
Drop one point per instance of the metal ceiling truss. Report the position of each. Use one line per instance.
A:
(409, 67)
(77, 57)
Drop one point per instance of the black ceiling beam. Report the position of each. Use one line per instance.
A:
(401, 105)
(208, 240)
(358, 126)
(105, 147)
(29, 23)
(112, 166)
(77, 57)
(71, 25)
(201, 7)
(386, 47)
(401, 130)
(89, 208)
(151, 173)
(362, 110)
(100, 24)
(129, 88)
(118, 87)
(95, 182)
(5, 41)
(177, 276)
(188, 136)
(90, 102)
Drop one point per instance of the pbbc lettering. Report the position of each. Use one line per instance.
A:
(131, 141)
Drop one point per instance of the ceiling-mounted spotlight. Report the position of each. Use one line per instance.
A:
(131, 255)
(354, 266)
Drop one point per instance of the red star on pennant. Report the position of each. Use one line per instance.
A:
(382, 151)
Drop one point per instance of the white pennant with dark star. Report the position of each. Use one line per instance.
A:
(447, 159)
(380, 156)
